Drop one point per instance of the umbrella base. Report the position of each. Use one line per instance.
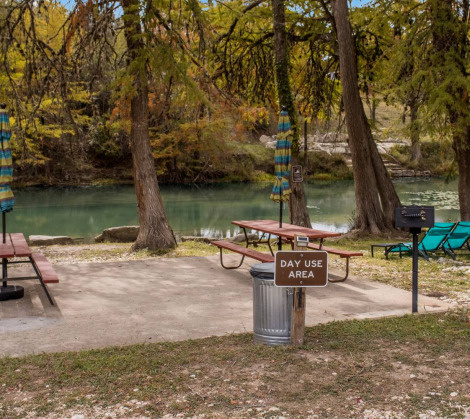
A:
(11, 292)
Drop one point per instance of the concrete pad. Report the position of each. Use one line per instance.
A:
(120, 303)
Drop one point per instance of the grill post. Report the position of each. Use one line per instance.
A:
(4, 261)
(415, 231)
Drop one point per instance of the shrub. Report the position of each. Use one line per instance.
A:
(438, 156)
(322, 165)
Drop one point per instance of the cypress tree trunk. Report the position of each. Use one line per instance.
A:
(389, 199)
(462, 151)
(155, 232)
(416, 155)
(297, 203)
(450, 48)
(462, 144)
(376, 198)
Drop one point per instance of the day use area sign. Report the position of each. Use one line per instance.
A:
(301, 269)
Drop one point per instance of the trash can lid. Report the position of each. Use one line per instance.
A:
(262, 270)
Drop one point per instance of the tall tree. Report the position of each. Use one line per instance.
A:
(449, 85)
(376, 197)
(155, 231)
(402, 63)
(414, 104)
(297, 203)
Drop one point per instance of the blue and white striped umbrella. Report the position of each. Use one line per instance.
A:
(282, 160)
(7, 200)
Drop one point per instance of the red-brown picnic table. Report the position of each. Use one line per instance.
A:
(14, 246)
(286, 232)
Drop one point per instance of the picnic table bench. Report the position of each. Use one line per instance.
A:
(245, 251)
(346, 254)
(15, 246)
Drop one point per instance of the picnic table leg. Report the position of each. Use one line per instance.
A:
(247, 241)
(229, 267)
(4, 272)
(254, 243)
(345, 277)
(41, 281)
(269, 245)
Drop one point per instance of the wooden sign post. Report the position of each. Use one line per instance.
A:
(298, 311)
(299, 269)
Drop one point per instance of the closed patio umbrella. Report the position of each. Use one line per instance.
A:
(7, 199)
(282, 164)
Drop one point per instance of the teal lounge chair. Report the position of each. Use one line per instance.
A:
(431, 242)
(458, 239)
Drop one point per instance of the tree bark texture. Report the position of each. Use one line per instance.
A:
(297, 203)
(416, 155)
(155, 232)
(388, 196)
(462, 143)
(376, 198)
(450, 45)
(462, 150)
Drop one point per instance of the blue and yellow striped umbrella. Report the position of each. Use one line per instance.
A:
(282, 159)
(7, 199)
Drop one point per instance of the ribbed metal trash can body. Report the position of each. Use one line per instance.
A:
(272, 307)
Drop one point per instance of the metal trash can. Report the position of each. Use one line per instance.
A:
(272, 307)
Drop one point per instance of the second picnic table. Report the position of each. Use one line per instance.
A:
(269, 228)
(14, 246)
(286, 232)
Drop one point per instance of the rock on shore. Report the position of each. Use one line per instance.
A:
(49, 240)
(126, 234)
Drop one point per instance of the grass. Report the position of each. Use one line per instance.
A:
(343, 369)
(97, 252)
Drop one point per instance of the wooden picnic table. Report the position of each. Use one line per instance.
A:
(15, 250)
(269, 228)
(286, 232)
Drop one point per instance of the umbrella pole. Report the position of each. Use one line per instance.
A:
(4, 261)
(279, 243)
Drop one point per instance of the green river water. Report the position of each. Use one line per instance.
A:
(207, 210)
